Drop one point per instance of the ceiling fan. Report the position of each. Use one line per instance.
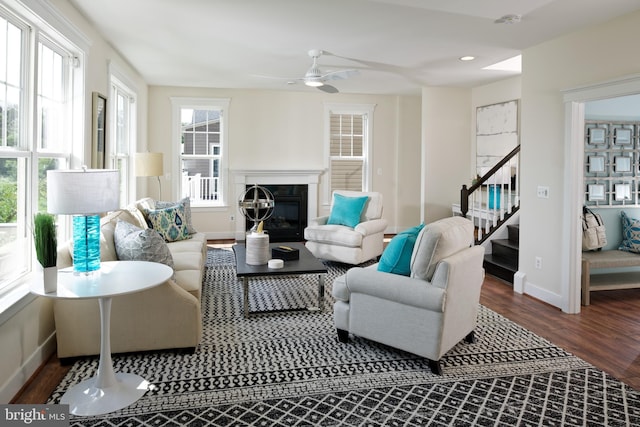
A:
(314, 77)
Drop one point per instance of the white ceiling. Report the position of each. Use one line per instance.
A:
(398, 46)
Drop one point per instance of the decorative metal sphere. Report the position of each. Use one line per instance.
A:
(256, 204)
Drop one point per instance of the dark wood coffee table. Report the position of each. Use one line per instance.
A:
(306, 264)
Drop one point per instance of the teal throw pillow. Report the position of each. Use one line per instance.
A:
(170, 223)
(630, 234)
(396, 257)
(346, 210)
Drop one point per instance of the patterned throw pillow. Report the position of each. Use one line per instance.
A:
(630, 234)
(186, 202)
(170, 223)
(135, 244)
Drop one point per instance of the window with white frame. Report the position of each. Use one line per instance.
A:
(123, 131)
(34, 133)
(201, 141)
(348, 146)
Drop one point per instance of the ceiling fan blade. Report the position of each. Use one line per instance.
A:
(328, 88)
(340, 74)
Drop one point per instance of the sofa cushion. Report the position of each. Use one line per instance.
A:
(186, 203)
(346, 210)
(437, 241)
(334, 234)
(136, 244)
(396, 257)
(169, 223)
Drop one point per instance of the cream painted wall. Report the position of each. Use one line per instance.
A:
(27, 338)
(446, 163)
(595, 55)
(283, 130)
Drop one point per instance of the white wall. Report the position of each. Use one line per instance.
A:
(27, 337)
(446, 124)
(595, 55)
(283, 130)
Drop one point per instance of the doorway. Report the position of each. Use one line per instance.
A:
(575, 100)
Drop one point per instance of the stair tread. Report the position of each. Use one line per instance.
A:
(509, 264)
(507, 243)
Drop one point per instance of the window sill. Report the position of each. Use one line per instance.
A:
(15, 299)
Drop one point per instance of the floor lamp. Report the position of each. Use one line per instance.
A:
(84, 194)
(150, 164)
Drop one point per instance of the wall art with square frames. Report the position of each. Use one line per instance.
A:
(611, 163)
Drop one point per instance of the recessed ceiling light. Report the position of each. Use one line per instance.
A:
(467, 58)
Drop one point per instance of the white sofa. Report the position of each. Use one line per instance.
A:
(164, 317)
(425, 313)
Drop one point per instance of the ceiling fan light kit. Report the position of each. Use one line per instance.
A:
(314, 77)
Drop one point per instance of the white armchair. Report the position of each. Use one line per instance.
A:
(426, 313)
(349, 244)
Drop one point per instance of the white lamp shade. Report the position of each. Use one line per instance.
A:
(82, 192)
(149, 164)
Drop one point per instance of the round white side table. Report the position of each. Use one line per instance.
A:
(107, 391)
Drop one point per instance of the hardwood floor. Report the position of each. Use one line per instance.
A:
(605, 334)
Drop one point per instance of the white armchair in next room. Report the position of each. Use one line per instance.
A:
(353, 232)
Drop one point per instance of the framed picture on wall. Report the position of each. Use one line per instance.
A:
(99, 134)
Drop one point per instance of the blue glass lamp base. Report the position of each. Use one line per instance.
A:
(86, 243)
(494, 196)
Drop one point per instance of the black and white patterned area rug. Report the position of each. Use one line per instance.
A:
(289, 369)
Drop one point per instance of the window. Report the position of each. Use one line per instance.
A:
(123, 132)
(36, 129)
(348, 145)
(201, 140)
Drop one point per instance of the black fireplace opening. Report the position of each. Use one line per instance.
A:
(289, 217)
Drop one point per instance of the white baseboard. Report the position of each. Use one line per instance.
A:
(13, 385)
(542, 294)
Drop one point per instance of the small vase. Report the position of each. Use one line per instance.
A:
(50, 279)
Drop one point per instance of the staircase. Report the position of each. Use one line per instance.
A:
(503, 261)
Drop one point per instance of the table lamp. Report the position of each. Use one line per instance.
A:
(83, 193)
(150, 164)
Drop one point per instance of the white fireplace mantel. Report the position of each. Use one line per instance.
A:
(309, 177)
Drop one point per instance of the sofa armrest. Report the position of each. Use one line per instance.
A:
(395, 287)
(373, 226)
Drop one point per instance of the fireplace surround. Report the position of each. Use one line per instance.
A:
(308, 178)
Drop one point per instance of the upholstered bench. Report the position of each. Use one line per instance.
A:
(609, 281)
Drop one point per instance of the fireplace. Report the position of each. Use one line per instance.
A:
(277, 179)
(289, 218)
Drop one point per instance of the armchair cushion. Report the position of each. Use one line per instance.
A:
(346, 210)
(439, 240)
(396, 258)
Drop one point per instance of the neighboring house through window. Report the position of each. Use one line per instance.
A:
(201, 141)
(348, 146)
